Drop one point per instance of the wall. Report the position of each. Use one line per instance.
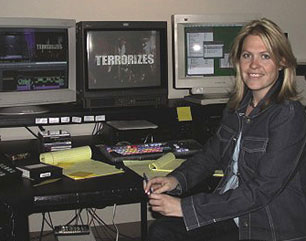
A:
(289, 14)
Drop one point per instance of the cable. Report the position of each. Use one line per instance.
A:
(95, 217)
(41, 128)
(74, 217)
(31, 132)
(97, 233)
(97, 129)
(113, 221)
(42, 227)
(100, 221)
(50, 223)
(148, 138)
(41, 235)
(92, 218)
(79, 216)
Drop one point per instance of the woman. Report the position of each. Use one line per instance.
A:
(259, 147)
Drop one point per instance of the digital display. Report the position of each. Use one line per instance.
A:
(33, 59)
(123, 59)
(207, 49)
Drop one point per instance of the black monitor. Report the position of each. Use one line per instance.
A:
(122, 63)
(37, 64)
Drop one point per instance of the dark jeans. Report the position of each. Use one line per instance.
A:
(173, 229)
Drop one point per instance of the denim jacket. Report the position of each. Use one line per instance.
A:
(270, 200)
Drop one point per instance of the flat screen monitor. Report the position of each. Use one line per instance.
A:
(122, 63)
(201, 52)
(37, 64)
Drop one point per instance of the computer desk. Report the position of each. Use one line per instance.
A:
(68, 194)
(98, 192)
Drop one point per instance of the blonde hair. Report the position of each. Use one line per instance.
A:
(280, 49)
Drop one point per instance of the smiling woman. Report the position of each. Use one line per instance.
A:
(258, 147)
(260, 53)
(258, 69)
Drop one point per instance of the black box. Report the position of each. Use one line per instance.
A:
(41, 171)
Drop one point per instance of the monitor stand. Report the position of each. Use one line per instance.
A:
(207, 99)
(23, 110)
(131, 124)
(131, 131)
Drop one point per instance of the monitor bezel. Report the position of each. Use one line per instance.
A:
(86, 95)
(205, 83)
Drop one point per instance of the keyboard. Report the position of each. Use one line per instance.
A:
(180, 148)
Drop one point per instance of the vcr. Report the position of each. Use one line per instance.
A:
(125, 101)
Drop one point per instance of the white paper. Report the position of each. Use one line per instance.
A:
(195, 43)
(224, 62)
(211, 50)
(200, 66)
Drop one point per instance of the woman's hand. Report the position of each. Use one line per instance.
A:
(160, 185)
(166, 204)
(163, 203)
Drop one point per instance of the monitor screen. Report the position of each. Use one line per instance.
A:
(37, 62)
(123, 59)
(33, 59)
(201, 52)
(207, 49)
(122, 63)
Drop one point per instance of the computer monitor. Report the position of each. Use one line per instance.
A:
(37, 64)
(201, 50)
(122, 63)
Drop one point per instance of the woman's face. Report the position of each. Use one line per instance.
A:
(258, 70)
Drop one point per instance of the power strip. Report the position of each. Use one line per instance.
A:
(71, 230)
(80, 236)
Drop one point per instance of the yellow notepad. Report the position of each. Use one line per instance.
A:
(77, 163)
(160, 167)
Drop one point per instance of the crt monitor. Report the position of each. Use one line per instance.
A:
(37, 64)
(201, 50)
(122, 63)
